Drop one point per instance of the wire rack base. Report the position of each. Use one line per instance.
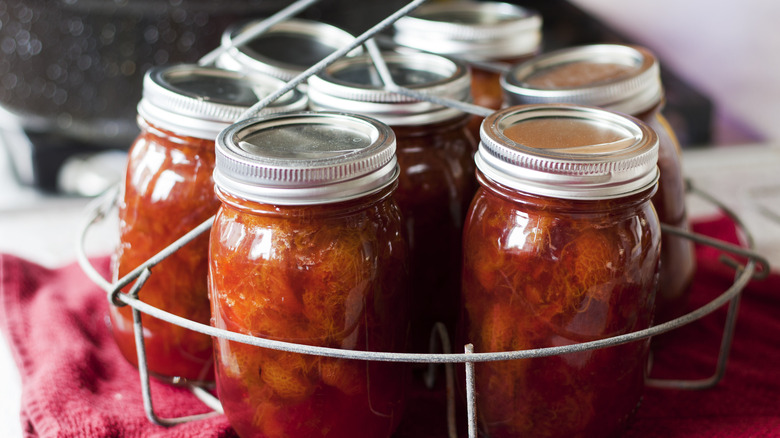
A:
(755, 267)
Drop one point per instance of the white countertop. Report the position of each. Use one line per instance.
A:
(731, 49)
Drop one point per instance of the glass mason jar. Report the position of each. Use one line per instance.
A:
(285, 50)
(625, 79)
(167, 191)
(308, 247)
(434, 152)
(482, 33)
(561, 246)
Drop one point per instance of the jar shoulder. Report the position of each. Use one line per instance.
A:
(540, 228)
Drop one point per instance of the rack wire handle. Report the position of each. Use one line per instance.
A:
(319, 66)
(256, 29)
(392, 86)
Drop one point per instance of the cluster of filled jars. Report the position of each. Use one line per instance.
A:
(351, 217)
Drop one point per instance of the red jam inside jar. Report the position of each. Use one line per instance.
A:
(561, 246)
(308, 247)
(434, 152)
(625, 79)
(435, 188)
(167, 192)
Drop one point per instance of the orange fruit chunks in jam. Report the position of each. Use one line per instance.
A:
(303, 276)
(548, 273)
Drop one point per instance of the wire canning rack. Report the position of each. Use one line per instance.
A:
(756, 267)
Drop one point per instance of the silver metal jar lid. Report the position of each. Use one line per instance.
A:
(202, 101)
(285, 50)
(353, 85)
(617, 77)
(479, 31)
(305, 158)
(568, 151)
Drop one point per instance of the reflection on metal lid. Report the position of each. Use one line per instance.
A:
(285, 50)
(568, 151)
(475, 30)
(617, 77)
(353, 85)
(305, 158)
(201, 101)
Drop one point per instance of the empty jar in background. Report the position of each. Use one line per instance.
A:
(475, 31)
(168, 190)
(436, 181)
(308, 248)
(561, 246)
(285, 50)
(625, 79)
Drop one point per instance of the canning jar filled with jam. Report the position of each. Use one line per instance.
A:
(308, 248)
(485, 33)
(285, 50)
(168, 190)
(434, 152)
(561, 246)
(625, 79)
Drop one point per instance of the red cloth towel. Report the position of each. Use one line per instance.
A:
(76, 383)
(746, 403)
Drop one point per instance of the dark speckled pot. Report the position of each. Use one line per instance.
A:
(75, 67)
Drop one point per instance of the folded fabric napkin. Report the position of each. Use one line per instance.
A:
(77, 384)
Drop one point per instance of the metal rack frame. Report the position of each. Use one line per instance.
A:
(756, 267)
